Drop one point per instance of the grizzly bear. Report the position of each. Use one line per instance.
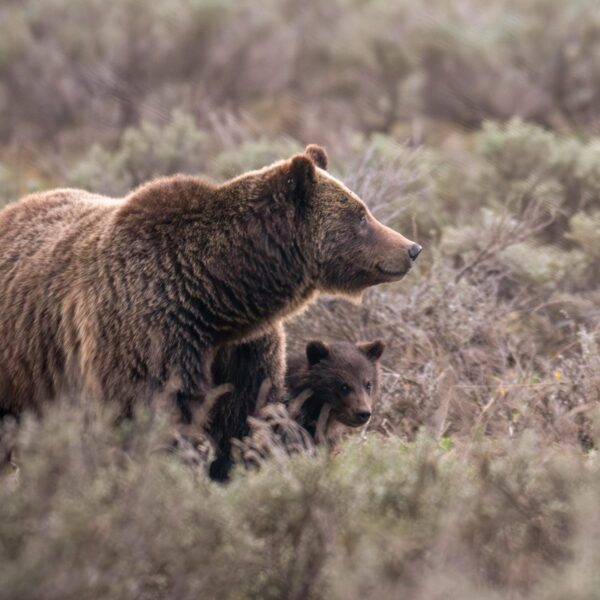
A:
(341, 376)
(182, 282)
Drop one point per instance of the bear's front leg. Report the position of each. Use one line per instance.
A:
(245, 366)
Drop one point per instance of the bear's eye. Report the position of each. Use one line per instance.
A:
(368, 386)
(345, 388)
(363, 220)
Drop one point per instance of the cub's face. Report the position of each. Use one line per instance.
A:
(346, 376)
(354, 250)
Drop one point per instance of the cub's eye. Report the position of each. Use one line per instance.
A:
(368, 386)
(345, 388)
(363, 221)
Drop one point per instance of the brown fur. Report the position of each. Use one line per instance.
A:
(181, 280)
(343, 382)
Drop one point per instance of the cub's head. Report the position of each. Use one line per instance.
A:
(346, 376)
(350, 249)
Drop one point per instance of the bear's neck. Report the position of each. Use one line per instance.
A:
(246, 274)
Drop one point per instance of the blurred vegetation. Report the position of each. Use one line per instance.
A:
(471, 127)
(67, 65)
(99, 512)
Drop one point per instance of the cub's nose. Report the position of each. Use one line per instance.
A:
(414, 251)
(362, 416)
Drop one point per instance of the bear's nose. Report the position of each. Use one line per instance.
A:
(362, 416)
(414, 251)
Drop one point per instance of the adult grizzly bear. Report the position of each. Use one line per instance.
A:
(342, 379)
(181, 281)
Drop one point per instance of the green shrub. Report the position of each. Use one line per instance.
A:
(15, 182)
(584, 230)
(543, 265)
(8, 186)
(527, 204)
(143, 154)
(560, 170)
(406, 188)
(250, 155)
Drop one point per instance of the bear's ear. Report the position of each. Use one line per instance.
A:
(372, 350)
(316, 351)
(318, 155)
(301, 177)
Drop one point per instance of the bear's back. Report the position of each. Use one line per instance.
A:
(42, 221)
(43, 238)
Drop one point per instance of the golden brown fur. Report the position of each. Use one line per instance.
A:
(181, 280)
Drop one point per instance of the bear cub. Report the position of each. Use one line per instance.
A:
(340, 377)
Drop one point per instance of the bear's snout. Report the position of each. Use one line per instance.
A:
(362, 416)
(395, 253)
(414, 251)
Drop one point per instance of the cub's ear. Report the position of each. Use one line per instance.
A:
(316, 351)
(372, 350)
(318, 155)
(302, 176)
